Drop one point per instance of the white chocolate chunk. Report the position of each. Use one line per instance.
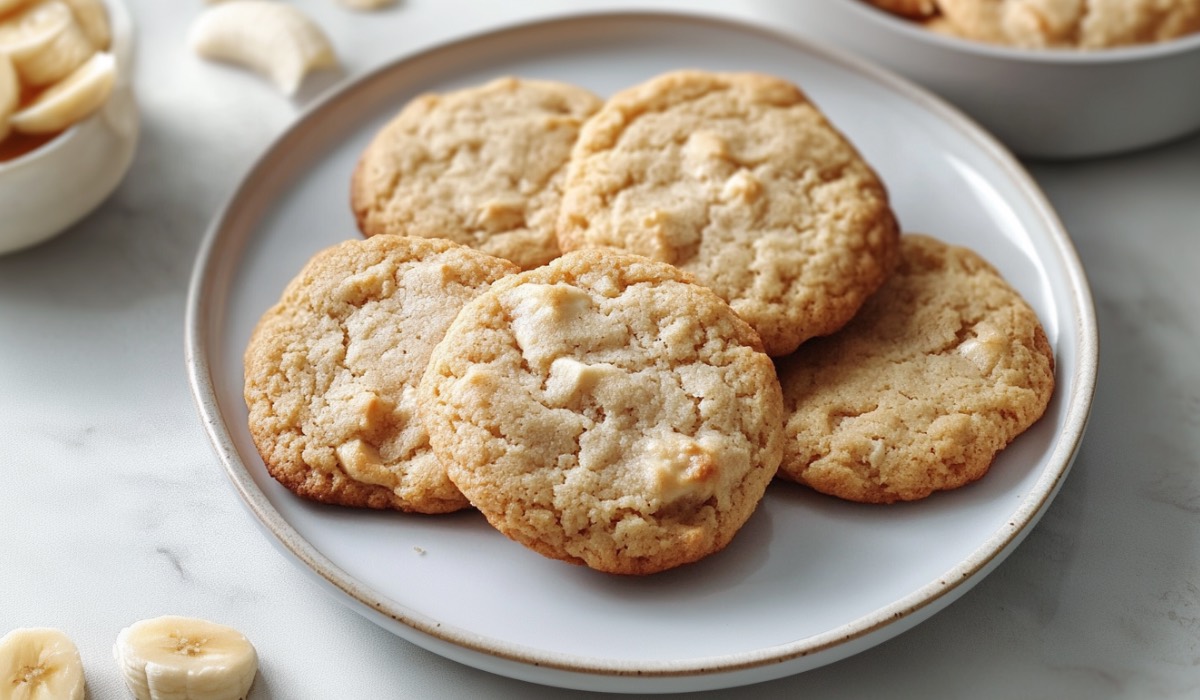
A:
(570, 379)
(985, 349)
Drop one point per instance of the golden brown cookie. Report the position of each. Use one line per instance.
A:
(1088, 24)
(941, 369)
(332, 370)
(482, 166)
(605, 410)
(740, 180)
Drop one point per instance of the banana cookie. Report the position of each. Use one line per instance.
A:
(1088, 24)
(606, 410)
(738, 179)
(331, 371)
(941, 370)
(482, 166)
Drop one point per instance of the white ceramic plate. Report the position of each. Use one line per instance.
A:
(810, 579)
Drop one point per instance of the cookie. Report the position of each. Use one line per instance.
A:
(941, 369)
(738, 179)
(482, 166)
(1088, 24)
(606, 410)
(331, 371)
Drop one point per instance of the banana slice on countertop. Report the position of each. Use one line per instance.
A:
(40, 663)
(183, 658)
(271, 38)
(10, 93)
(45, 42)
(69, 100)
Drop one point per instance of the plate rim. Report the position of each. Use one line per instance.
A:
(201, 306)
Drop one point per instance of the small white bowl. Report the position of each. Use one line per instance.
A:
(46, 190)
(1041, 103)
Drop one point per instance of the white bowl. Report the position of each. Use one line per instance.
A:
(46, 190)
(1041, 103)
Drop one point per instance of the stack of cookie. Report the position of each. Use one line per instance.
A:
(565, 312)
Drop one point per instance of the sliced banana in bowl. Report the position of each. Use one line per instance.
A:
(10, 93)
(93, 20)
(65, 145)
(185, 658)
(45, 41)
(40, 663)
(50, 45)
(71, 99)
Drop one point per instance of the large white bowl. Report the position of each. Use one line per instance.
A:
(1041, 103)
(46, 190)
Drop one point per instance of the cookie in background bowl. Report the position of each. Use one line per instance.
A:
(606, 410)
(482, 166)
(1051, 100)
(938, 373)
(738, 179)
(1079, 24)
(331, 371)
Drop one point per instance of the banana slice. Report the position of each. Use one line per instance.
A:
(32, 30)
(45, 42)
(7, 6)
(93, 20)
(183, 658)
(367, 4)
(39, 663)
(10, 93)
(271, 38)
(72, 99)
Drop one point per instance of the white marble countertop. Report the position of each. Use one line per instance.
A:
(116, 509)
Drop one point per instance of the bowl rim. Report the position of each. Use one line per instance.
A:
(121, 46)
(1052, 56)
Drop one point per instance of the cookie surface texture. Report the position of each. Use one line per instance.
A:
(332, 370)
(740, 180)
(605, 410)
(482, 166)
(1086, 24)
(939, 372)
